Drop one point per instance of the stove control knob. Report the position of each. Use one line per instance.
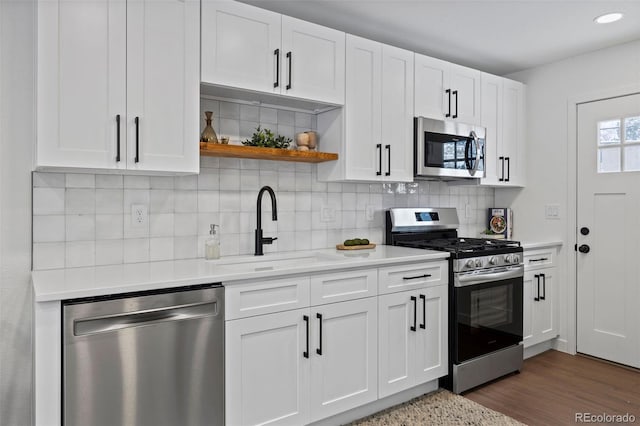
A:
(493, 260)
(479, 263)
(508, 258)
(470, 263)
(516, 258)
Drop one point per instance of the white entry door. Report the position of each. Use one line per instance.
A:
(608, 234)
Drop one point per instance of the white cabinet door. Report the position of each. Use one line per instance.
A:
(163, 85)
(432, 341)
(313, 61)
(397, 113)
(430, 86)
(81, 83)
(491, 120)
(513, 132)
(396, 349)
(363, 144)
(344, 365)
(540, 322)
(266, 372)
(241, 46)
(464, 84)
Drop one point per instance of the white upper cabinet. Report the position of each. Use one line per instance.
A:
(241, 46)
(503, 117)
(312, 63)
(378, 116)
(101, 65)
(446, 91)
(246, 47)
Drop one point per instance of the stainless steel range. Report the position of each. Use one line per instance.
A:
(485, 294)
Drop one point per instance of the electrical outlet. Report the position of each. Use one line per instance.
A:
(552, 211)
(327, 214)
(139, 215)
(370, 212)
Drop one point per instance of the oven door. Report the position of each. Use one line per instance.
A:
(487, 317)
(448, 149)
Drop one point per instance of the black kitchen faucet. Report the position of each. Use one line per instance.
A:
(260, 240)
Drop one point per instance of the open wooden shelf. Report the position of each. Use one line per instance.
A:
(258, 153)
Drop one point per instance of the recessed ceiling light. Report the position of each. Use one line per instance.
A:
(607, 18)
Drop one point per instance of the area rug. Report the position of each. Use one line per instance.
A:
(437, 408)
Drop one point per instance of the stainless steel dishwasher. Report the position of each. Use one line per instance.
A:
(148, 358)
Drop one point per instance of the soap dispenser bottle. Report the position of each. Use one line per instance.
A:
(212, 244)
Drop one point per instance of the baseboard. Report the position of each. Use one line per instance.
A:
(379, 405)
(538, 349)
(562, 345)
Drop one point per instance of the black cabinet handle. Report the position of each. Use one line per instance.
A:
(448, 91)
(424, 312)
(544, 286)
(508, 160)
(306, 352)
(502, 177)
(319, 350)
(416, 277)
(537, 298)
(415, 308)
(455, 93)
(277, 82)
(137, 121)
(542, 259)
(117, 138)
(289, 58)
(388, 148)
(379, 149)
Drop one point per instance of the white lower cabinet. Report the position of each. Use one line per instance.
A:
(267, 377)
(540, 310)
(302, 349)
(413, 338)
(540, 322)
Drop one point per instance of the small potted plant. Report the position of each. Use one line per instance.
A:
(266, 139)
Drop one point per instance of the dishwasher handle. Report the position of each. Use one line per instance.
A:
(88, 326)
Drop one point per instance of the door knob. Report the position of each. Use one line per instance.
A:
(584, 230)
(584, 248)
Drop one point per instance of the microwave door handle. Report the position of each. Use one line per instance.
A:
(467, 159)
(476, 142)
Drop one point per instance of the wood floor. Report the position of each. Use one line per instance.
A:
(553, 386)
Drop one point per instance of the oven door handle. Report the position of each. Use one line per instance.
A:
(471, 278)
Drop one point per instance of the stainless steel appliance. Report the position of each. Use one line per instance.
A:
(448, 149)
(485, 294)
(148, 358)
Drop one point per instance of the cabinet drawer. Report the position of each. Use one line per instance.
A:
(405, 277)
(539, 258)
(265, 297)
(341, 286)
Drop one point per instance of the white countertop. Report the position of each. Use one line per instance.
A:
(70, 283)
(530, 245)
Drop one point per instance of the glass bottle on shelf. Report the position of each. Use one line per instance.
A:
(208, 134)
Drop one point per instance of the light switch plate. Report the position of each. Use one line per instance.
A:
(552, 211)
(327, 214)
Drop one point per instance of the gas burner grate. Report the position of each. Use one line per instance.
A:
(461, 245)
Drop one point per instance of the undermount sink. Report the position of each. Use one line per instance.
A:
(277, 261)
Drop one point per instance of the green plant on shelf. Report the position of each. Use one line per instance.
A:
(266, 138)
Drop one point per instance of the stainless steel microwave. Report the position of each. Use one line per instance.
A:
(448, 149)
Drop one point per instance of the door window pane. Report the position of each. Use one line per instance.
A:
(632, 129)
(632, 158)
(609, 132)
(608, 160)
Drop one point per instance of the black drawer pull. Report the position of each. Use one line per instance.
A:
(424, 312)
(542, 259)
(319, 350)
(277, 54)
(306, 320)
(544, 287)
(415, 308)
(537, 277)
(416, 277)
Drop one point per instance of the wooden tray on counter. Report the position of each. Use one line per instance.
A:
(360, 247)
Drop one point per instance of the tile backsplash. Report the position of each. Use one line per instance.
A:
(85, 219)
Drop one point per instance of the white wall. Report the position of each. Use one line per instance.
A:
(17, 133)
(550, 89)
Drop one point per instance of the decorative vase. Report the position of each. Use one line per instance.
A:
(208, 134)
